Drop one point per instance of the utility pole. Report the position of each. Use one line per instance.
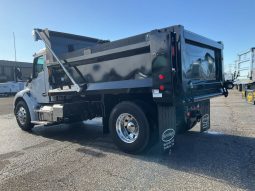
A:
(14, 45)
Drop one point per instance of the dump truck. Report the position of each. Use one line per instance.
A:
(147, 88)
(245, 74)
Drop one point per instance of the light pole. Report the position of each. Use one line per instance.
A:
(14, 45)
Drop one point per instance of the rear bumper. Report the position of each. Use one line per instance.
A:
(205, 91)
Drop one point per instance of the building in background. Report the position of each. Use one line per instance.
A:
(11, 71)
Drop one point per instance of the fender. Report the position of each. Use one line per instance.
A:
(29, 100)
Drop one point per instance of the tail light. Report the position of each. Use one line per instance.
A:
(161, 87)
(161, 77)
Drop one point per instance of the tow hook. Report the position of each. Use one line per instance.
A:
(225, 88)
(225, 91)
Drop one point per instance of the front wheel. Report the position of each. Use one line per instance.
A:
(23, 116)
(129, 127)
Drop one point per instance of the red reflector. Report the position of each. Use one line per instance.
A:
(162, 88)
(161, 76)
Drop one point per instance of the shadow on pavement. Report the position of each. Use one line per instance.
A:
(224, 158)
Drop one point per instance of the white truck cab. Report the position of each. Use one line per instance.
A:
(34, 93)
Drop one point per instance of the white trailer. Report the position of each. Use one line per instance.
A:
(11, 88)
(245, 70)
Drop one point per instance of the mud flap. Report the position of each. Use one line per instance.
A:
(205, 115)
(167, 127)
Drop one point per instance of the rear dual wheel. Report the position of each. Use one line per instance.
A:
(129, 127)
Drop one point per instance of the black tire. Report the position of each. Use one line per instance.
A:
(150, 111)
(142, 140)
(230, 86)
(25, 125)
(240, 87)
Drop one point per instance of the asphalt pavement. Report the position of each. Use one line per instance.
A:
(6, 105)
(80, 157)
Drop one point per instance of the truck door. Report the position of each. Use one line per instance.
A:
(38, 85)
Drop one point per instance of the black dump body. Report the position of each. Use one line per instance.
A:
(191, 65)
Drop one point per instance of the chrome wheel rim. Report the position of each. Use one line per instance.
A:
(22, 115)
(127, 128)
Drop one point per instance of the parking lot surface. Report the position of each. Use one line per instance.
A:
(80, 157)
(6, 105)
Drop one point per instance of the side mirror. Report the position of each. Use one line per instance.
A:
(29, 80)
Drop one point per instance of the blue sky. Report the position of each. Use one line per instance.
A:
(230, 21)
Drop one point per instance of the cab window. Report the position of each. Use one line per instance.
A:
(38, 65)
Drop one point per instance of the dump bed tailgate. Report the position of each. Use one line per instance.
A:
(202, 67)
